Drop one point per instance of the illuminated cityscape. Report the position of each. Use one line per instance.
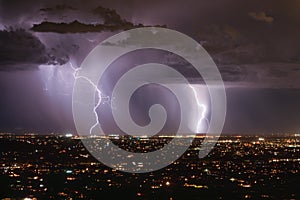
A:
(239, 167)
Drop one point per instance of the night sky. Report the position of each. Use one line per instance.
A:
(255, 45)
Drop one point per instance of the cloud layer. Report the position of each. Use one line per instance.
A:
(19, 48)
(24, 49)
(243, 38)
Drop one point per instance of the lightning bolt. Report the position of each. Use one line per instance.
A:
(54, 72)
(91, 40)
(50, 77)
(200, 107)
(98, 91)
(204, 110)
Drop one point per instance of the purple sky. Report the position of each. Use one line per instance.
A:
(255, 45)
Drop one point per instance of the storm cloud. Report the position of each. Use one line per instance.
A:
(255, 45)
(101, 19)
(21, 50)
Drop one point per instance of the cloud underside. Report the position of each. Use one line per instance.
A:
(78, 27)
(106, 20)
(21, 50)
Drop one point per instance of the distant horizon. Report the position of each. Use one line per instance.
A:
(68, 134)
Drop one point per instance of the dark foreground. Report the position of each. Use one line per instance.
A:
(56, 167)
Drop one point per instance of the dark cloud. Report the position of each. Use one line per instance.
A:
(257, 43)
(261, 37)
(110, 16)
(101, 19)
(218, 38)
(21, 50)
(240, 33)
(60, 53)
(261, 16)
(62, 7)
(78, 27)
